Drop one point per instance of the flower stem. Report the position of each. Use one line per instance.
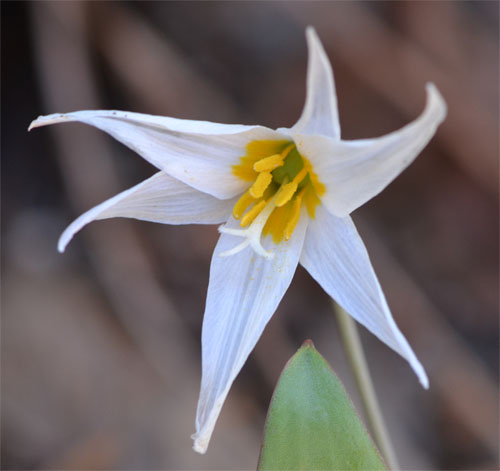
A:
(357, 360)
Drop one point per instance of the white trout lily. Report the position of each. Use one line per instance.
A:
(285, 197)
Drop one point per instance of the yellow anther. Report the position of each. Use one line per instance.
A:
(252, 214)
(261, 183)
(268, 163)
(242, 204)
(285, 193)
(294, 216)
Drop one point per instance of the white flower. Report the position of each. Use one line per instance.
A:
(285, 196)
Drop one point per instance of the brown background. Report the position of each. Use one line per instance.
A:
(100, 346)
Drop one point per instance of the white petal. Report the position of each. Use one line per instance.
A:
(160, 198)
(320, 114)
(356, 171)
(198, 153)
(244, 291)
(336, 257)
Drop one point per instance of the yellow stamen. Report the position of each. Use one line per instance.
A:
(300, 176)
(261, 183)
(268, 163)
(255, 151)
(287, 191)
(273, 203)
(252, 214)
(242, 204)
(294, 216)
(287, 150)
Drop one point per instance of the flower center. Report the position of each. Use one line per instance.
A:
(283, 181)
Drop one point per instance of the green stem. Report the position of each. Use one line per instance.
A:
(357, 360)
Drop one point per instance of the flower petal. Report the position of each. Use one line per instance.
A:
(244, 291)
(160, 198)
(320, 114)
(356, 171)
(336, 258)
(198, 153)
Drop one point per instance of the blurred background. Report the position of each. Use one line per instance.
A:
(101, 345)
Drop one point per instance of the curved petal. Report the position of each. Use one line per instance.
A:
(244, 291)
(198, 153)
(160, 198)
(356, 171)
(320, 114)
(336, 257)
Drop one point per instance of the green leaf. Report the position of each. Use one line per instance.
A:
(312, 424)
